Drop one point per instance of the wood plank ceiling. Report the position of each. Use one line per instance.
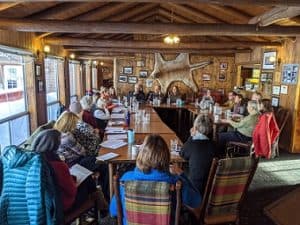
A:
(92, 28)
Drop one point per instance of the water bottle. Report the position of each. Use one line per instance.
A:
(128, 118)
(130, 136)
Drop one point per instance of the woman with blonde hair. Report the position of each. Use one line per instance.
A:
(152, 164)
(69, 148)
(198, 150)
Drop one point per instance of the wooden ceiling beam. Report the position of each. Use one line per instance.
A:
(152, 44)
(192, 14)
(220, 2)
(177, 19)
(4, 6)
(66, 11)
(104, 12)
(275, 15)
(95, 51)
(25, 25)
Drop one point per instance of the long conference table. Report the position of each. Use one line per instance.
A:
(182, 117)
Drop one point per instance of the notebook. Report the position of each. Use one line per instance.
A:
(107, 156)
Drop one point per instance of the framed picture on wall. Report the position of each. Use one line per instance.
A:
(269, 60)
(132, 79)
(276, 90)
(143, 73)
(223, 66)
(37, 70)
(127, 70)
(284, 89)
(290, 73)
(40, 86)
(140, 63)
(123, 79)
(275, 101)
(222, 75)
(149, 83)
(206, 77)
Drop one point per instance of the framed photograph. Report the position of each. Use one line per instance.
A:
(275, 102)
(206, 77)
(276, 90)
(284, 89)
(222, 75)
(40, 86)
(269, 60)
(140, 63)
(128, 70)
(132, 79)
(221, 90)
(290, 73)
(37, 70)
(149, 83)
(143, 74)
(263, 77)
(123, 79)
(223, 66)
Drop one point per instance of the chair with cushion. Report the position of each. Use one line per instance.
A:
(149, 202)
(227, 184)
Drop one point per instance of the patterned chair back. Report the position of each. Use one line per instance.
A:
(149, 202)
(227, 187)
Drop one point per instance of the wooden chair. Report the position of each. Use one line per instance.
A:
(227, 184)
(79, 213)
(148, 202)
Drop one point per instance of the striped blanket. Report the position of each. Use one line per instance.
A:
(147, 203)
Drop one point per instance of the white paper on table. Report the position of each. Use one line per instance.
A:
(113, 144)
(117, 116)
(118, 122)
(115, 130)
(107, 156)
(117, 109)
(80, 172)
(116, 136)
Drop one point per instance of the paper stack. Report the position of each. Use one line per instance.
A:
(113, 144)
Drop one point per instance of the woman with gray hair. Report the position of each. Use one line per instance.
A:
(243, 129)
(198, 150)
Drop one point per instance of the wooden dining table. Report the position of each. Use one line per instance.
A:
(141, 129)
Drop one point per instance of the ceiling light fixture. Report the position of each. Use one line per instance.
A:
(72, 56)
(172, 38)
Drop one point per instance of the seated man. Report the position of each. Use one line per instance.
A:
(155, 94)
(244, 128)
(137, 93)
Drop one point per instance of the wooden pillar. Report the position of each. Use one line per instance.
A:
(66, 82)
(115, 75)
(63, 98)
(40, 90)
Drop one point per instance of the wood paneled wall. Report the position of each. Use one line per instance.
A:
(213, 70)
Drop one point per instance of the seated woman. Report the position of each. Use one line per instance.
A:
(112, 93)
(84, 133)
(230, 100)
(87, 116)
(152, 164)
(101, 114)
(207, 100)
(155, 94)
(69, 148)
(47, 143)
(244, 128)
(174, 94)
(199, 150)
(239, 107)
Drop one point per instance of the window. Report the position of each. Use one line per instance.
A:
(74, 71)
(52, 93)
(94, 78)
(14, 118)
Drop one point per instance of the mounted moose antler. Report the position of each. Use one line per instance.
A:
(179, 69)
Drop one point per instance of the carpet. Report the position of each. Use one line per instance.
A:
(285, 210)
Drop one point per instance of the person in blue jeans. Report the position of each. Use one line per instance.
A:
(153, 164)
